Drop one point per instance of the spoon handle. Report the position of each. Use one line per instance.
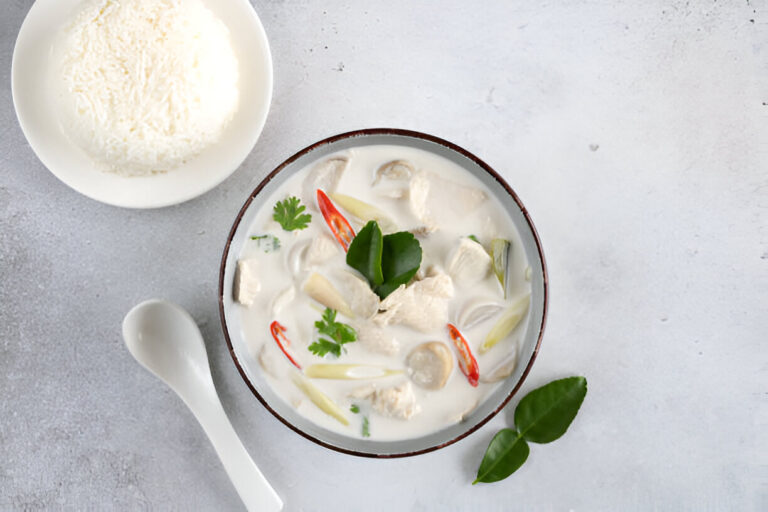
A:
(253, 488)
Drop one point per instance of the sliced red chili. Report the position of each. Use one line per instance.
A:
(467, 362)
(278, 332)
(335, 220)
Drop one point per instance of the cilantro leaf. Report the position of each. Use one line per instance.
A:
(366, 427)
(289, 214)
(354, 408)
(340, 334)
(322, 347)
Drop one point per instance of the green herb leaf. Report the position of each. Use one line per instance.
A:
(366, 427)
(267, 243)
(289, 214)
(340, 333)
(400, 260)
(323, 347)
(474, 239)
(386, 261)
(354, 408)
(542, 416)
(505, 454)
(365, 253)
(545, 413)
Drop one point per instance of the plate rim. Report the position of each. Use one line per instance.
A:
(137, 203)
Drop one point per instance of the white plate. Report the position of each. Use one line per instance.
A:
(39, 121)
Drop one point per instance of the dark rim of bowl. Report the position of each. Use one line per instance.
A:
(402, 133)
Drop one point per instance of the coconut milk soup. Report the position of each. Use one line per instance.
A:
(396, 310)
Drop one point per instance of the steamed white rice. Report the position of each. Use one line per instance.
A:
(147, 84)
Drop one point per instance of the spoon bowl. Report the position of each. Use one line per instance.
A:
(165, 340)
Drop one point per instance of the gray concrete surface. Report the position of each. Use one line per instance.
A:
(635, 132)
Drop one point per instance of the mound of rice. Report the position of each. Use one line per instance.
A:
(148, 84)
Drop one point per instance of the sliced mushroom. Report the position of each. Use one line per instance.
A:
(396, 170)
(325, 175)
(270, 362)
(502, 370)
(477, 310)
(430, 364)
(295, 258)
(282, 299)
(321, 249)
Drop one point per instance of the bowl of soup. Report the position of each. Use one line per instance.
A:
(383, 292)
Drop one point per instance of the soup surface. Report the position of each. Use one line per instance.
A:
(358, 334)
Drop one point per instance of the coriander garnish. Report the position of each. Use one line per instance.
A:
(289, 214)
(339, 333)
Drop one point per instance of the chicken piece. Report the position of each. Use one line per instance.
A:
(418, 195)
(321, 249)
(282, 299)
(325, 175)
(395, 402)
(469, 263)
(428, 193)
(376, 339)
(247, 284)
(422, 305)
(363, 301)
(430, 364)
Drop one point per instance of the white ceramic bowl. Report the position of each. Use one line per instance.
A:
(249, 367)
(39, 121)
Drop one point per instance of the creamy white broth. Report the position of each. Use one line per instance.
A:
(275, 273)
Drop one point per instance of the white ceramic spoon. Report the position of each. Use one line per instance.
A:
(164, 338)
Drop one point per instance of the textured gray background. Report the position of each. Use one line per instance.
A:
(635, 132)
